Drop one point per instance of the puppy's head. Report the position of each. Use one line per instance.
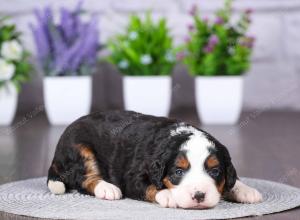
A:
(200, 171)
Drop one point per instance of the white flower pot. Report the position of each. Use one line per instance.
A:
(67, 98)
(147, 94)
(219, 99)
(8, 103)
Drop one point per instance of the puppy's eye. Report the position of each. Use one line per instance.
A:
(214, 172)
(179, 172)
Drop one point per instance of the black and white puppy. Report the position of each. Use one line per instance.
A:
(118, 154)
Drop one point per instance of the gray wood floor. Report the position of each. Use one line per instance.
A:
(264, 145)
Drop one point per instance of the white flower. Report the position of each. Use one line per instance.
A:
(170, 57)
(146, 59)
(231, 50)
(123, 64)
(133, 35)
(12, 50)
(7, 70)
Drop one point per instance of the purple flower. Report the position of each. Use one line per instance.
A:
(208, 49)
(191, 27)
(212, 42)
(187, 39)
(78, 8)
(193, 10)
(42, 44)
(67, 25)
(219, 21)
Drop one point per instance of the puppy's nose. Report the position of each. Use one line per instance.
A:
(199, 196)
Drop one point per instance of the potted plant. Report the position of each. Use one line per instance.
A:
(144, 54)
(14, 70)
(67, 54)
(218, 53)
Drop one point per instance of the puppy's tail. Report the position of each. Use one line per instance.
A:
(55, 182)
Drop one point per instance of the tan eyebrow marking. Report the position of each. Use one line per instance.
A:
(212, 161)
(182, 162)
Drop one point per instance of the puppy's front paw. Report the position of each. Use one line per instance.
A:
(245, 194)
(165, 199)
(105, 190)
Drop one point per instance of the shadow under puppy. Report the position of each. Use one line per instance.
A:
(118, 154)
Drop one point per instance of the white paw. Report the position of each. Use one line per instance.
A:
(245, 194)
(56, 187)
(165, 199)
(105, 190)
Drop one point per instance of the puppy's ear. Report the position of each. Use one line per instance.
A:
(230, 172)
(166, 149)
(230, 177)
(157, 170)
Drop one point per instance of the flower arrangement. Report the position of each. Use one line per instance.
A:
(146, 48)
(68, 47)
(219, 47)
(14, 65)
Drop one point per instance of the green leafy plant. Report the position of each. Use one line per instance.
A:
(146, 48)
(14, 65)
(220, 47)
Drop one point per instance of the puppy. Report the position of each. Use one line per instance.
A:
(111, 155)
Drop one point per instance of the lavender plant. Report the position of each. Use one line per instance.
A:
(218, 47)
(68, 47)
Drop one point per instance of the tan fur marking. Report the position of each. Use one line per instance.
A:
(150, 193)
(168, 183)
(212, 161)
(92, 174)
(182, 162)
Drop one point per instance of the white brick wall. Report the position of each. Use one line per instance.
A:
(267, 30)
(276, 25)
(292, 40)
